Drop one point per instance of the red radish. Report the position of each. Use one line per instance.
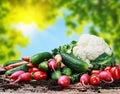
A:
(84, 79)
(23, 77)
(94, 80)
(53, 64)
(26, 58)
(64, 81)
(106, 77)
(40, 75)
(16, 74)
(115, 72)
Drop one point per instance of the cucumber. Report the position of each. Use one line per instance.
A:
(23, 67)
(74, 63)
(40, 57)
(11, 62)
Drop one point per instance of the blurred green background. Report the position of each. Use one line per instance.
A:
(21, 19)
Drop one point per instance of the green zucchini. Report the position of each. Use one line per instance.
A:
(11, 62)
(23, 67)
(74, 63)
(40, 57)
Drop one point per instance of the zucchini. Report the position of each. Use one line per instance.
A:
(74, 63)
(23, 67)
(11, 62)
(40, 57)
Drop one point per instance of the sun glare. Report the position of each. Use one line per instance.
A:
(26, 29)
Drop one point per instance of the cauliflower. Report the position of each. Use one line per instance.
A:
(90, 47)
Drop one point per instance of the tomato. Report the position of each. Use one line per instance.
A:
(115, 72)
(108, 68)
(40, 75)
(94, 80)
(34, 69)
(95, 71)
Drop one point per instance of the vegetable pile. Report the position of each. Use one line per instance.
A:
(89, 61)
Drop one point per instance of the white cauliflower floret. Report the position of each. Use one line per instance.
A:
(89, 47)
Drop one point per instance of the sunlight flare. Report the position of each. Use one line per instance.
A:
(26, 29)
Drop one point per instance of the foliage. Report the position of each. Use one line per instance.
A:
(25, 11)
(102, 15)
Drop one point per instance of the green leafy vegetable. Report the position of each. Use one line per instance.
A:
(67, 48)
(103, 61)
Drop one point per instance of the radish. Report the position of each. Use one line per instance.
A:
(64, 81)
(53, 64)
(58, 58)
(106, 77)
(84, 79)
(16, 74)
(23, 77)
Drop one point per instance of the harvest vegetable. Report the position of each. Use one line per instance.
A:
(40, 75)
(108, 68)
(106, 77)
(67, 71)
(64, 81)
(16, 74)
(26, 59)
(34, 69)
(58, 58)
(56, 75)
(75, 77)
(75, 64)
(23, 67)
(11, 62)
(40, 57)
(95, 71)
(115, 72)
(84, 79)
(15, 65)
(53, 64)
(23, 77)
(94, 80)
(90, 47)
(44, 65)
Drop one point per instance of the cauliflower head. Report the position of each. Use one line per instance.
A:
(90, 47)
